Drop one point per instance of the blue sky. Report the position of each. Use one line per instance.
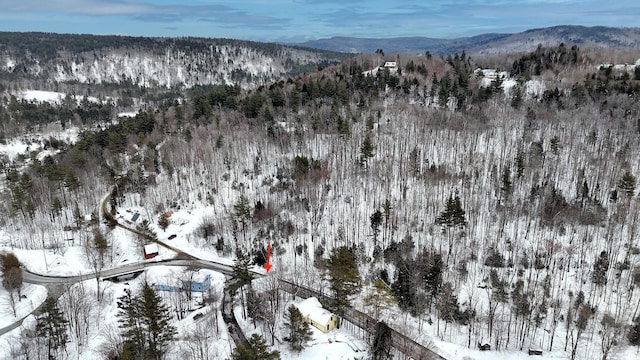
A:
(299, 20)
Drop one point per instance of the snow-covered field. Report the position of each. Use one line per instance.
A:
(55, 98)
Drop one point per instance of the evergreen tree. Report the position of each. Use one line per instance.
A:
(404, 288)
(241, 275)
(507, 187)
(453, 214)
(555, 145)
(516, 98)
(254, 349)
(100, 243)
(299, 331)
(634, 332)
(131, 325)
(242, 212)
(380, 298)
(163, 222)
(519, 163)
(627, 184)
(52, 326)
(431, 268)
(156, 319)
(255, 308)
(381, 346)
(600, 268)
(376, 221)
(447, 304)
(56, 208)
(145, 228)
(344, 277)
(366, 150)
(145, 321)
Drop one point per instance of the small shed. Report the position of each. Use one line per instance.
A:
(314, 314)
(151, 251)
(535, 351)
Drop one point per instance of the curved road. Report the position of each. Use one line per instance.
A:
(400, 341)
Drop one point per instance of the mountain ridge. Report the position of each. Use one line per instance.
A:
(489, 43)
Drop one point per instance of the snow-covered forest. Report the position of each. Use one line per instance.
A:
(495, 199)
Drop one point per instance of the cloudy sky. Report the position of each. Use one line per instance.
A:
(298, 20)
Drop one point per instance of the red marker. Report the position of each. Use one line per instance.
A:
(268, 264)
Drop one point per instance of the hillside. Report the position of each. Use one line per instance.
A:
(601, 37)
(457, 204)
(149, 62)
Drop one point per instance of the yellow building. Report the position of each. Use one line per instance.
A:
(316, 315)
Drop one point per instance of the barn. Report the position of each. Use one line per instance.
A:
(151, 251)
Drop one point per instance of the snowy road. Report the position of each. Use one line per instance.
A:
(400, 341)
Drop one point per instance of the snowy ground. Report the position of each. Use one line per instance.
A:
(53, 97)
(32, 297)
(338, 344)
(72, 261)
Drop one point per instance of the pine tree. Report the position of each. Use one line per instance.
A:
(519, 164)
(447, 304)
(163, 222)
(56, 208)
(600, 268)
(380, 298)
(254, 349)
(431, 268)
(366, 150)
(130, 319)
(627, 184)
(634, 332)
(453, 214)
(145, 321)
(145, 228)
(381, 346)
(376, 221)
(255, 307)
(53, 327)
(241, 275)
(156, 318)
(299, 331)
(242, 212)
(507, 186)
(344, 277)
(404, 287)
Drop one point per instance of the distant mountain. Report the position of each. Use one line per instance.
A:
(598, 36)
(151, 62)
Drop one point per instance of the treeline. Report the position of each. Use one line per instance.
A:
(47, 46)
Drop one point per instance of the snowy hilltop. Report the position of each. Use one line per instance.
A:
(152, 62)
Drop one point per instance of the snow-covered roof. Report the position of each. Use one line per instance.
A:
(151, 249)
(312, 309)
